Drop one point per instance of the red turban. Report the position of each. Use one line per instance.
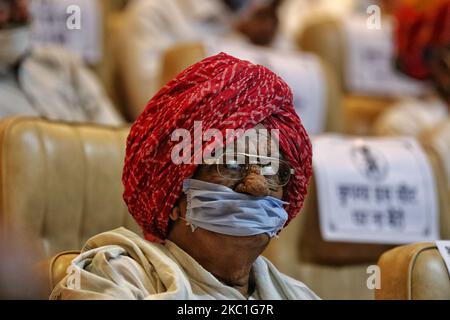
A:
(224, 93)
(421, 27)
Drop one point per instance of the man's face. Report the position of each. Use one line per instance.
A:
(13, 13)
(254, 166)
(257, 20)
(261, 25)
(252, 182)
(227, 257)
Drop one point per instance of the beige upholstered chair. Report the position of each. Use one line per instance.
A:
(436, 143)
(413, 272)
(181, 56)
(324, 37)
(56, 267)
(339, 270)
(332, 270)
(62, 181)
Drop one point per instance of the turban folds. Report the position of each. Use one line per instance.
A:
(421, 27)
(224, 93)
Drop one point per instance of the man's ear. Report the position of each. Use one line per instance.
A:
(175, 214)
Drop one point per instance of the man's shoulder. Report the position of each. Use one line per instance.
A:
(120, 236)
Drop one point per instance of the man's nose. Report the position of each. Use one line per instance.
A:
(254, 183)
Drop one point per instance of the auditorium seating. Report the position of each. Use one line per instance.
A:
(183, 55)
(332, 270)
(325, 36)
(436, 143)
(76, 174)
(338, 270)
(56, 267)
(328, 281)
(413, 272)
(62, 180)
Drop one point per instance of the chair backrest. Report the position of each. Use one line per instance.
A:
(436, 143)
(324, 37)
(56, 268)
(338, 270)
(413, 272)
(62, 180)
(181, 56)
(313, 248)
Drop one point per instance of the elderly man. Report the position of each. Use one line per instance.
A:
(423, 52)
(47, 82)
(209, 212)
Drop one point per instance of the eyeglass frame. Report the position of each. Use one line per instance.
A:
(216, 161)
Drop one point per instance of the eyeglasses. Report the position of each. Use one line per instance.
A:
(236, 166)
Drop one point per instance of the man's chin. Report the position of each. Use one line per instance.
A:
(257, 240)
(229, 281)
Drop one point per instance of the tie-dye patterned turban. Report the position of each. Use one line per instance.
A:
(224, 93)
(422, 26)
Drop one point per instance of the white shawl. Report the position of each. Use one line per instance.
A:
(121, 265)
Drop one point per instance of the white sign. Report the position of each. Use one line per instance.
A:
(370, 61)
(301, 71)
(74, 24)
(444, 250)
(374, 190)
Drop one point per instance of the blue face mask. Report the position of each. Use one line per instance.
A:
(220, 209)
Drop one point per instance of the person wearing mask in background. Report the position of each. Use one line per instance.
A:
(45, 82)
(205, 223)
(150, 27)
(423, 52)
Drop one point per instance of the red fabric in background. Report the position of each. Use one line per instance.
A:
(422, 25)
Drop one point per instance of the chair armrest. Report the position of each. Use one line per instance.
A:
(57, 267)
(412, 272)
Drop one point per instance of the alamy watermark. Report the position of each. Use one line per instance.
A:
(225, 145)
(374, 20)
(73, 21)
(374, 280)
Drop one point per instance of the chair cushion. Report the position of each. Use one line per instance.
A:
(62, 180)
(413, 272)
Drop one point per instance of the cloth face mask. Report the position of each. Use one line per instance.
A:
(220, 209)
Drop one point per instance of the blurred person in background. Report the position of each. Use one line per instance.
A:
(47, 82)
(205, 223)
(152, 26)
(296, 14)
(423, 52)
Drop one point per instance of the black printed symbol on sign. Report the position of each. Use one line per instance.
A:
(371, 164)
